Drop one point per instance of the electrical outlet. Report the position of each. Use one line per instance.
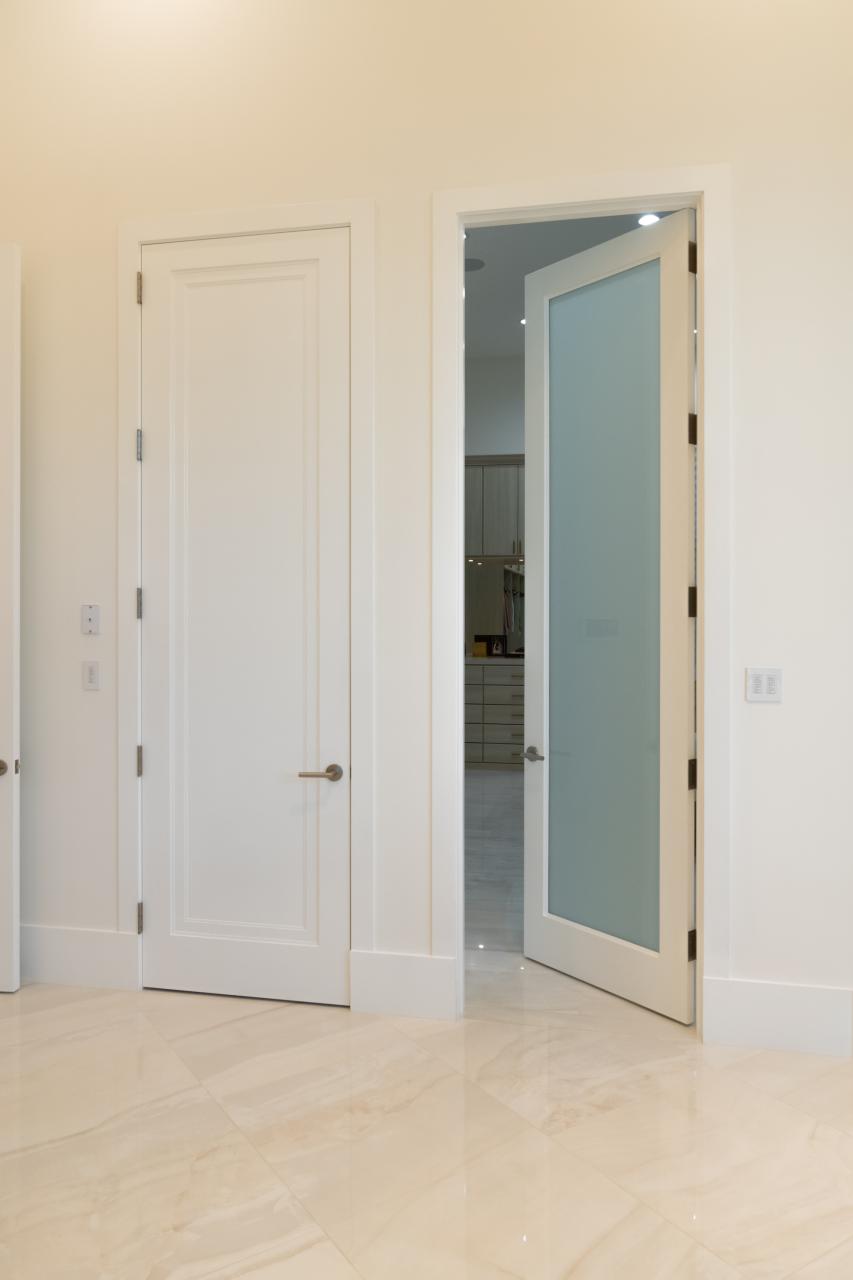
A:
(90, 619)
(764, 684)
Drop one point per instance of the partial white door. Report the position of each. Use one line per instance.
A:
(245, 620)
(610, 692)
(10, 544)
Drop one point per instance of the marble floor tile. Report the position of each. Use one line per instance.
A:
(754, 1180)
(169, 1189)
(52, 1088)
(528, 1209)
(50, 1012)
(352, 1113)
(175, 1014)
(835, 1265)
(781, 1074)
(827, 1096)
(556, 1131)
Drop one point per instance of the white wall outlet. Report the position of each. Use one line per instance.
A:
(91, 676)
(90, 619)
(764, 684)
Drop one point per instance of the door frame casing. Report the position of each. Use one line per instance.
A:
(707, 190)
(10, 625)
(359, 218)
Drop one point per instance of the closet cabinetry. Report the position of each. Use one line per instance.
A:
(494, 507)
(474, 511)
(494, 711)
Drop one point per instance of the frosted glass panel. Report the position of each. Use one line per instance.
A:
(604, 589)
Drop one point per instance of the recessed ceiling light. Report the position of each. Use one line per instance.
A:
(523, 321)
(648, 219)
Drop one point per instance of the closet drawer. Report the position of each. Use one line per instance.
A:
(502, 714)
(473, 713)
(473, 733)
(503, 673)
(501, 733)
(473, 692)
(502, 753)
(473, 673)
(474, 752)
(503, 693)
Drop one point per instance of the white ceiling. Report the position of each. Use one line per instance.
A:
(494, 296)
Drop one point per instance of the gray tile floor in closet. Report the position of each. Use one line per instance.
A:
(494, 859)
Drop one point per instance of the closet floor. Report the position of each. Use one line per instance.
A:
(494, 859)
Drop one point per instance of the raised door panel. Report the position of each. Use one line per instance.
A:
(473, 510)
(500, 510)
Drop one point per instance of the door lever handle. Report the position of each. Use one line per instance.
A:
(332, 773)
(532, 754)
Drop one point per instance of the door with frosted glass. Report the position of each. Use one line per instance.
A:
(610, 671)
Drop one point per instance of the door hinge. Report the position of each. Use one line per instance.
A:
(139, 602)
(691, 602)
(17, 766)
(692, 428)
(139, 915)
(139, 762)
(691, 945)
(138, 444)
(139, 287)
(692, 258)
(691, 775)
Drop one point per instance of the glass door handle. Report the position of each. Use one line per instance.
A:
(332, 773)
(532, 754)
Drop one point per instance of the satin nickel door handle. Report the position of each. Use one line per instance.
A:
(532, 754)
(332, 773)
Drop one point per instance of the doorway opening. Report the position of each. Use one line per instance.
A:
(580, 595)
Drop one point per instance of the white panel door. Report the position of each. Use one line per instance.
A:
(610, 675)
(245, 627)
(10, 424)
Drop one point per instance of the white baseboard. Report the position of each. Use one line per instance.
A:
(411, 986)
(778, 1015)
(79, 957)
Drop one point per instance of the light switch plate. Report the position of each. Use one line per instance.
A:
(764, 684)
(90, 619)
(91, 676)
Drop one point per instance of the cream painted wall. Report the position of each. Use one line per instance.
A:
(114, 109)
(494, 405)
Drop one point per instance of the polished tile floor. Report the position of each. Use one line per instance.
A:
(555, 1132)
(494, 859)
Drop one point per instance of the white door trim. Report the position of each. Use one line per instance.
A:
(708, 190)
(358, 216)
(10, 637)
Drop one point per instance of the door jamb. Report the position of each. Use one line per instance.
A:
(10, 730)
(708, 190)
(359, 217)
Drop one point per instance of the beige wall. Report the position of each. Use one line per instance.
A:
(113, 109)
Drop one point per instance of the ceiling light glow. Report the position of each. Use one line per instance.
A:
(648, 219)
(523, 321)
